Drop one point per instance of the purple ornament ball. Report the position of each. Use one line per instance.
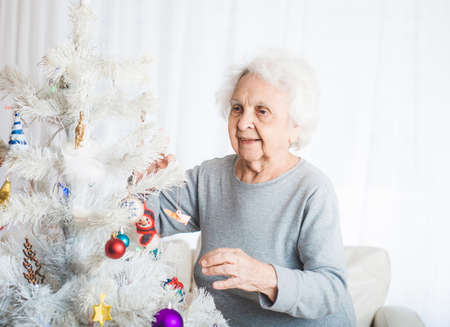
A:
(168, 318)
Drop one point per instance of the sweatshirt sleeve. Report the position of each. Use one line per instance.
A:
(315, 290)
(184, 198)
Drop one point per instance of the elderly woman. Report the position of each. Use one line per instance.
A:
(271, 252)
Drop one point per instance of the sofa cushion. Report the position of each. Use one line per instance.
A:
(368, 270)
(396, 316)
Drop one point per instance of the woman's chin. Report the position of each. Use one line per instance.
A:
(250, 155)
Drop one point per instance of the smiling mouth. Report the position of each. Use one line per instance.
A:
(244, 140)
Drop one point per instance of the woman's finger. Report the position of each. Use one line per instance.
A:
(164, 162)
(170, 158)
(218, 256)
(220, 270)
(232, 282)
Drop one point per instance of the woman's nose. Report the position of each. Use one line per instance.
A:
(246, 121)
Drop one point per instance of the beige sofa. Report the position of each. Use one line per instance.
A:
(369, 275)
(368, 280)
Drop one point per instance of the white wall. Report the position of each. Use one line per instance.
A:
(384, 70)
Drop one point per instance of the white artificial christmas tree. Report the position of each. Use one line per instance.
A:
(54, 267)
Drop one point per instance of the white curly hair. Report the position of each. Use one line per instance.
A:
(287, 72)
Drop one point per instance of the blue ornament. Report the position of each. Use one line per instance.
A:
(124, 238)
(155, 253)
(65, 190)
(17, 139)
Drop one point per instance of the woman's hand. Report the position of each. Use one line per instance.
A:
(154, 167)
(244, 272)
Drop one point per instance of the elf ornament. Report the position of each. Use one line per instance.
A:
(115, 248)
(146, 227)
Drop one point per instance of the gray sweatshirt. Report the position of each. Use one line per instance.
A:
(291, 222)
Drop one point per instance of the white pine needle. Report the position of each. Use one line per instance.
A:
(116, 105)
(34, 163)
(30, 209)
(25, 94)
(134, 70)
(202, 311)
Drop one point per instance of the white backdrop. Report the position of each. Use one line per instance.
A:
(384, 71)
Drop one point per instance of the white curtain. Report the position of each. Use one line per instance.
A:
(384, 71)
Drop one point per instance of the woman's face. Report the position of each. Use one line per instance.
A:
(259, 125)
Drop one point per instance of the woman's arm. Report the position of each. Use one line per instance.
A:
(317, 289)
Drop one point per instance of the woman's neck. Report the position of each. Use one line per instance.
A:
(265, 169)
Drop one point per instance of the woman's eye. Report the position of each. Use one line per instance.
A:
(236, 109)
(262, 111)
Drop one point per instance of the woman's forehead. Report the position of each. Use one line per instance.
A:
(254, 90)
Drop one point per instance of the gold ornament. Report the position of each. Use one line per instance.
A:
(101, 311)
(79, 132)
(5, 192)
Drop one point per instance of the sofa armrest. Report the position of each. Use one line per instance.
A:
(396, 316)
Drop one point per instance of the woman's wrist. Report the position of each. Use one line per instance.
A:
(269, 283)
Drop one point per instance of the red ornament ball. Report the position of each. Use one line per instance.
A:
(115, 248)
